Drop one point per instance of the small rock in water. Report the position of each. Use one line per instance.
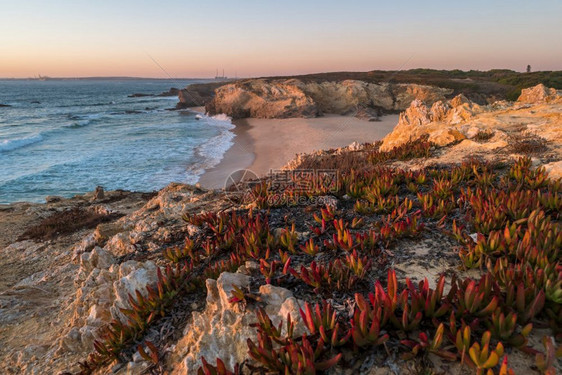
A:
(52, 198)
(139, 95)
(98, 193)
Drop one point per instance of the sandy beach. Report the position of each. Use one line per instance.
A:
(261, 145)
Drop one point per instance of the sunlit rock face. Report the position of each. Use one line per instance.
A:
(539, 94)
(222, 329)
(262, 98)
(440, 122)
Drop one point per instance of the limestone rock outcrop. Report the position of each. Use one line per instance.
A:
(103, 291)
(539, 94)
(222, 329)
(256, 98)
(473, 130)
(262, 98)
(102, 283)
(437, 121)
(197, 94)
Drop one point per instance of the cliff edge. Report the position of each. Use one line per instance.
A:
(263, 98)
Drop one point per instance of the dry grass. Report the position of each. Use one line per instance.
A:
(484, 135)
(528, 145)
(66, 222)
(345, 161)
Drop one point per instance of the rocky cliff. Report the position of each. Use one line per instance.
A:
(197, 94)
(263, 98)
(60, 290)
(534, 120)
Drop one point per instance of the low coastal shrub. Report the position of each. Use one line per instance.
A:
(484, 135)
(419, 148)
(528, 145)
(66, 222)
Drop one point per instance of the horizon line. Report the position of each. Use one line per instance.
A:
(272, 76)
(105, 77)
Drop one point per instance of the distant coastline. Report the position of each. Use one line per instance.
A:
(109, 78)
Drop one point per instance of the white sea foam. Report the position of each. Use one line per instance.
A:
(223, 118)
(15, 143)
(90, 139)
(212, 151)
(171, 97)
(78, 124)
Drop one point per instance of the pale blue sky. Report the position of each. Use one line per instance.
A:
(192, 38)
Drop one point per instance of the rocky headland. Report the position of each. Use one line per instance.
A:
(200, 268)
(262, 98)
(363, 94)
(171, 92)
(197, 95)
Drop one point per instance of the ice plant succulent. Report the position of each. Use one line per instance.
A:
(366, 323)
(430, 346)
(510, 229)
(219, 369)
(322, 320)
(483, 357)
(291, 355)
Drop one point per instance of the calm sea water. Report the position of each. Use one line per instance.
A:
(65, 137)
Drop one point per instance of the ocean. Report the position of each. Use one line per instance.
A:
(65, 137)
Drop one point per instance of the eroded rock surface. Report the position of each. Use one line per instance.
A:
(539, 94)
(222, 329)
(461, 123)
(262, 98)
(197, 94)
(37, 286)
(56, 294)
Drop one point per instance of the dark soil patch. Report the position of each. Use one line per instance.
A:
(66, 222)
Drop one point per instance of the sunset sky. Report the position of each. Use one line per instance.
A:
(255, 38)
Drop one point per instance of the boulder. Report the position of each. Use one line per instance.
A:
(132, 276)
(171, 92)
(368, 114)
(120, 244)
(222, 329)
(197, 94)
(87, 244)
(459, 100)
(97, 258)
(98, 193)
(554, 169)
(440, 122)
(539, 94)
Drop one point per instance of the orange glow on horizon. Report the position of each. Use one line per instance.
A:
(192, 39)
